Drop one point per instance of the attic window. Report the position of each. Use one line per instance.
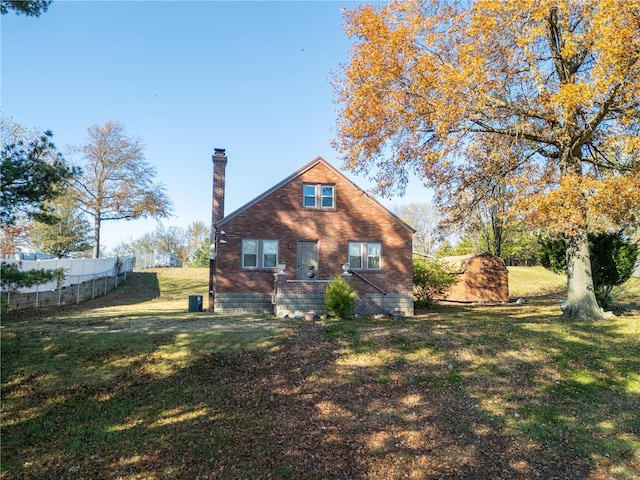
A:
(318, 196)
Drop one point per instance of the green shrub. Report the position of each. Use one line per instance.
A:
(201, 255)
(4, 305)
(431, 279)
(340, 297)
(11, 277)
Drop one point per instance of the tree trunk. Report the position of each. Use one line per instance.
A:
(96, 237)
(497, 238)
(581, 298)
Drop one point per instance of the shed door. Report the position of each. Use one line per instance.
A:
(307, 261)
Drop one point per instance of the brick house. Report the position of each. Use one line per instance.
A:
(314, 221)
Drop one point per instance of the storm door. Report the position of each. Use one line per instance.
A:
(307, 261)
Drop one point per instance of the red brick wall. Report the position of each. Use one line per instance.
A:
(280, 216)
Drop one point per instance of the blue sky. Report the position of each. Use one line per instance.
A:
(186, 77)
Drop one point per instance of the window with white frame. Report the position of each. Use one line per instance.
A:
(365, 255)
(269, 253)
(259, 253)
(318, 196)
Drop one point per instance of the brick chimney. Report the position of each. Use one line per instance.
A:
(219, 166)
(217, 213)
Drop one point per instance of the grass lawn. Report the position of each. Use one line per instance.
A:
(132, 386)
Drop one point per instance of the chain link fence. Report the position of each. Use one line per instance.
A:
(82, 281)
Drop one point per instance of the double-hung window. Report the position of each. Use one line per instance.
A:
(365, 255)
(259, 253)
(318, 196)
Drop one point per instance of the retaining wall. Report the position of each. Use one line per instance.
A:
(64, 295)
(295, 297)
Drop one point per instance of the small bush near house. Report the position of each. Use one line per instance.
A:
(340, 297)
(431, 280)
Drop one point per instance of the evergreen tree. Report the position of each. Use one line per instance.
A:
(613, 256)
(33, 173)
(201, 255)
(30, 8)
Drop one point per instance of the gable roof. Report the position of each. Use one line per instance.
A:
(307, 167)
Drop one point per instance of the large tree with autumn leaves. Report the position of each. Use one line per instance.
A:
(551, 87)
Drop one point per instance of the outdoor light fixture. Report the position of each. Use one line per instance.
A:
(345, 270)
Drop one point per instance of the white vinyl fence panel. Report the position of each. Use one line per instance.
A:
(76, 270)
(83, 279)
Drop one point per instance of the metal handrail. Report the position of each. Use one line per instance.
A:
(366, 280)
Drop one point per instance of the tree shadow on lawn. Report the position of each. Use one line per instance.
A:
(563, 398)
(139, 287)
(573, 387)
(361, 400)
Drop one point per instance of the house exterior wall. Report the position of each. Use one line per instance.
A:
(294, 296)
(280, 216)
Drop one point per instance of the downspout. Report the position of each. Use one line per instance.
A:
(274, 298)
